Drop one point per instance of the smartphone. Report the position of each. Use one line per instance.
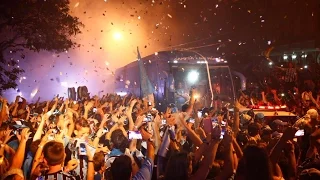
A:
(105, 130)
(299, 133)
(148, 118)
(56, 130)
(15, 132)
(51, 137)
(163, 121)
(126, 122)
(135, 135)
(199, 114)
(222, 133)
(82, 149)
(207, 125)
(191, 120)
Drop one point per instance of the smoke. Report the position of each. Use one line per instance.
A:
(151, 25)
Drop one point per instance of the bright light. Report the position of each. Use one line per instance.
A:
(201, 62)
(196, 96)
(285, 57)
(121, 93)
(175, 61)
(193, 76)
(306, 66)
(282, 94)
(117, 36)
(33, 93)
(294, 56)
(64, 84)
(270, 63)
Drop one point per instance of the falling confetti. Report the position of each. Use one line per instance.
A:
(169, 16)
(76, 5)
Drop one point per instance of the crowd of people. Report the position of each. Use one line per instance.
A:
(119, 138)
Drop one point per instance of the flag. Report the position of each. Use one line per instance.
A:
(146, 88)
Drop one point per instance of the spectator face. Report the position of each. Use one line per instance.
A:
(82, 132)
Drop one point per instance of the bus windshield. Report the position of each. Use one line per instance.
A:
(188, 77)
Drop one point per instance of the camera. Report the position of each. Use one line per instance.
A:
(191, 120)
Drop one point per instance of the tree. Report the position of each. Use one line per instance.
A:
(33, 25)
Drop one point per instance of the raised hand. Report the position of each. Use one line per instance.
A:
(89, 105)
(24, 135)
(216, 133)
(7, 135)
(289, 133)
(145, 135)
(72, 164)
(228, 137)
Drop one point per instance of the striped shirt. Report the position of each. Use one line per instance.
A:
(60, 175)
(81, 169)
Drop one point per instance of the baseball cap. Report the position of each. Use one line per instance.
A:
(276, 123)
(259, 116)
(245, 119)
(279, 122)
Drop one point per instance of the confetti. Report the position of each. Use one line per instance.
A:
(169, 16)
(76, 5)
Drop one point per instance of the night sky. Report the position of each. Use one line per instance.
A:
(114, 28)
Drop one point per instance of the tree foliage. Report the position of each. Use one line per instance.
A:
(34, 25)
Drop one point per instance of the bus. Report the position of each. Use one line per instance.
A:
(174, 73)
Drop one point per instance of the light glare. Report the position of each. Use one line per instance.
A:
(193, 76)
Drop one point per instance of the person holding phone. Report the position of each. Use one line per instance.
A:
(121, 168)
(54, 155)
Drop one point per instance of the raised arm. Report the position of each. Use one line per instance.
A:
(39, 131)
(19, 156)
(208, 160)
(129, 114)
(277, 150)
(90, 168)
(191, 134)
(236, 119)
(87, 108)
(229, 165)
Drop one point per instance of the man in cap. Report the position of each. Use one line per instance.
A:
(277, 127)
